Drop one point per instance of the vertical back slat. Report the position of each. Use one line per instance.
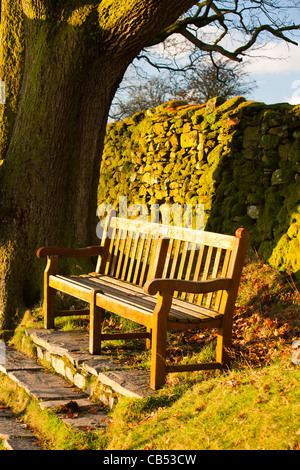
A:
(144, 264)
(110, 251)
(191, 297)
(114, 253)
(120, 260)
(168, 259)
(127, 255)
(223, 274)
(103, 260)
(183, 255)
(133, 257)
(189, 269)
(214, 275)
(140, 250)
(174, 259)
(206, 271)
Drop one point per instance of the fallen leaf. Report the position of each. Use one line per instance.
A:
(233, 383)
(200, 408)
(285, 400)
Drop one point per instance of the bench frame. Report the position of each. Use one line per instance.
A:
(158, 323)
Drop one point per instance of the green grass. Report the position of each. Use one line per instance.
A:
(250, 409)
(256, 405)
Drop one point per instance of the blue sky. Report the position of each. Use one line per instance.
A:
(277, 78)
(275, 67)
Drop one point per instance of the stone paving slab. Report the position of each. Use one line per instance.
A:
(5, 412)
(12, 359)
(15, 434)
(21, 444)
(85, 416)
(59, 342)
(74, 346)
(84, 404)
(129, 383)
(10, 427)
(44, 386)
(87, 422)
(102, 363)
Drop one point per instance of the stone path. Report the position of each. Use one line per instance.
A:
(15, 434)
(66, 353)
(72, 405)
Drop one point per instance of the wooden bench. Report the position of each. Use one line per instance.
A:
(163, 277)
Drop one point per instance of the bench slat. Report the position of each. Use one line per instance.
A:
(178, 233)
(144, 263)
(224, 273)
(214, 275)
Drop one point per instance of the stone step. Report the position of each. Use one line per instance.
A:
(72, 405)
(70, 391)
(67, 352)
(15, 434)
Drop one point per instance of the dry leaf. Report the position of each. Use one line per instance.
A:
(200, 408)
(285, 400)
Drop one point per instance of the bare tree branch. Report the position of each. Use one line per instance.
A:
(209, 47)
(251, 17)
(277, 33)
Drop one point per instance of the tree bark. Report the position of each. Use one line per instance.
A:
(71, 62)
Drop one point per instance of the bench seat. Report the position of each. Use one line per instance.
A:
(116, 295)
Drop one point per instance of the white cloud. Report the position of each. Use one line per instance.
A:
(295, 98)
(273, 58)
(292, 100)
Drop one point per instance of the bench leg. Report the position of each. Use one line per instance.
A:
(148, 340)
(159, 342)
(223, 343)
(49, 301)
(158, 359)
(96, 314)
(49, 293)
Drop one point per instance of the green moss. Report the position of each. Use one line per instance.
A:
(225, 155)
(11, 66)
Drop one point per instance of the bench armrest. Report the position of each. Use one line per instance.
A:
(43, 252)
(152, 286)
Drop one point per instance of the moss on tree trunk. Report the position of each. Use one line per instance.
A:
(49, 177)
(62, 63)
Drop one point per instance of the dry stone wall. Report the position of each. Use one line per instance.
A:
(238, 158)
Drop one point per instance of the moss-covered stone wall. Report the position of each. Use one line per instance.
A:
(238, 158)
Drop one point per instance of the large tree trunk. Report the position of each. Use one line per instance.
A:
(70, 71)
(49, 177)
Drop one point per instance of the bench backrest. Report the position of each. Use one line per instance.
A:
(138, 251)
(133, 250)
